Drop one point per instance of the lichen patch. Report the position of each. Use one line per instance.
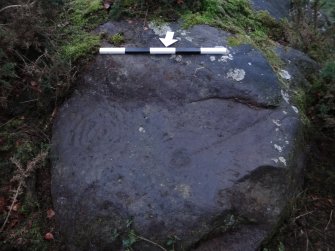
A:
(275, 160)
(225, 58)
(295, 109)
(282, 160)
(276, 122)
(159, 30)
(278, 148)
(285, 96)
(285, 75)
(236, 74)
(184, 190)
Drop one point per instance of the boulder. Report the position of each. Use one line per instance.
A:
(277, 9)
(191, 148)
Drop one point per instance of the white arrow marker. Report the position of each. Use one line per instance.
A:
(168, 40)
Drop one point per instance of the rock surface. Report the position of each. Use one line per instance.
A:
(197, 146)
(276, 8)
(299, 66)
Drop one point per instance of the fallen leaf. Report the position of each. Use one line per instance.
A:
(107, 6)
(50, 213)
(16, 207)
(49, 236)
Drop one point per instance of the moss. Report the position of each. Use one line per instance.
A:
(117, 39)
(238, 40)
(300, 100)
(83, 16)
(191, 19)
(273, 58)
(86, 13)
(79, 46)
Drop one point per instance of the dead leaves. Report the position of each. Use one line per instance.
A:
(107, 4)
(16, 207)
(49, 236)
(50, 213)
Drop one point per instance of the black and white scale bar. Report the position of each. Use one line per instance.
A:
(162, 51)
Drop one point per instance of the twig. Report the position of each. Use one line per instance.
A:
(17, 6)
(12, 6)
(151, 242)
(21, 57)
(21, 175)
(29, 101)
(7, 122)
(52, 117)
(43, 55)
(307, 241)
(302, 215)
(330, 219)
(17, 192)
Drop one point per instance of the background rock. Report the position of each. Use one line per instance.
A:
(300, 67)
(277, 9)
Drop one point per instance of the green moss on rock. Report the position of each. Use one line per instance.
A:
(79, 46)
(117, 39)
(86, 12)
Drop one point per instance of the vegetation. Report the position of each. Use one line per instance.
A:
(249, 27)
(38, 47)
(117, 39)
(42, 43)
(329, 8)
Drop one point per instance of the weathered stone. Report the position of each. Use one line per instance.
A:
(277, 9)
(178, 144)
(299, 67)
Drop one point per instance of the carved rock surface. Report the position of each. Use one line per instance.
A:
(196, 146)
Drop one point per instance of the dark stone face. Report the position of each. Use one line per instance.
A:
(277, 9)
(174, 143)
